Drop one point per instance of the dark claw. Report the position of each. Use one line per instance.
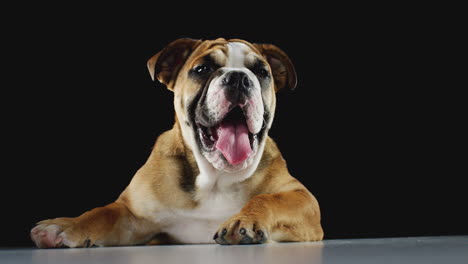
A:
(87, 243)
(242, 231)
(260, 237)
(260, 233)
(219, 238)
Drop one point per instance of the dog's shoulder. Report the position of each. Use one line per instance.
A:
(169, 144)
(168, 176)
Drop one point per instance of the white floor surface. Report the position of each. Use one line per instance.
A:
(415, 250)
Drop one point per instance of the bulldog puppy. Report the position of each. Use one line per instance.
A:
(216, 176)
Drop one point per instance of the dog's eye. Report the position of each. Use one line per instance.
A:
(262, 72)
(200, 69)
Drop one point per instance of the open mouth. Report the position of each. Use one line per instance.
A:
(231, 136)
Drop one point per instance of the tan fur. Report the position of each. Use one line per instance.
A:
(279, 207)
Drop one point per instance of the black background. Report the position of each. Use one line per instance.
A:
(372, 128)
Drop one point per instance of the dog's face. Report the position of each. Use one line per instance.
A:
(224, 95)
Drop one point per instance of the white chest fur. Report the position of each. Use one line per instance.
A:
(219, 194)
(215, 205)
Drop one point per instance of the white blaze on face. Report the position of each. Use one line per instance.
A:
(239, 55)
(238, 58)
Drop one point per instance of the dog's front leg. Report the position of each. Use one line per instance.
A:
(110, 225)
(283, 216)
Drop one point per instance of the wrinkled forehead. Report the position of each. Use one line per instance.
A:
(232, 54)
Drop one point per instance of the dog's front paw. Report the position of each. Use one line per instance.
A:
(58, 232)
(241, 229)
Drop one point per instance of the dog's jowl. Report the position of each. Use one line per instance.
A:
(216, 176)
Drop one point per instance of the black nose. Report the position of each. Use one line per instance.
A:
(237, 86)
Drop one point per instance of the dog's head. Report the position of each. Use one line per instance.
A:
(224, 95)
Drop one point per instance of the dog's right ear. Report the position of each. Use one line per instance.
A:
(165, 65)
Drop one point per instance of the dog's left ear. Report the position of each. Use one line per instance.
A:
(165, 65)
(283, 70)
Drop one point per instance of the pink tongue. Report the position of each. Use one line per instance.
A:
(233, 141)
